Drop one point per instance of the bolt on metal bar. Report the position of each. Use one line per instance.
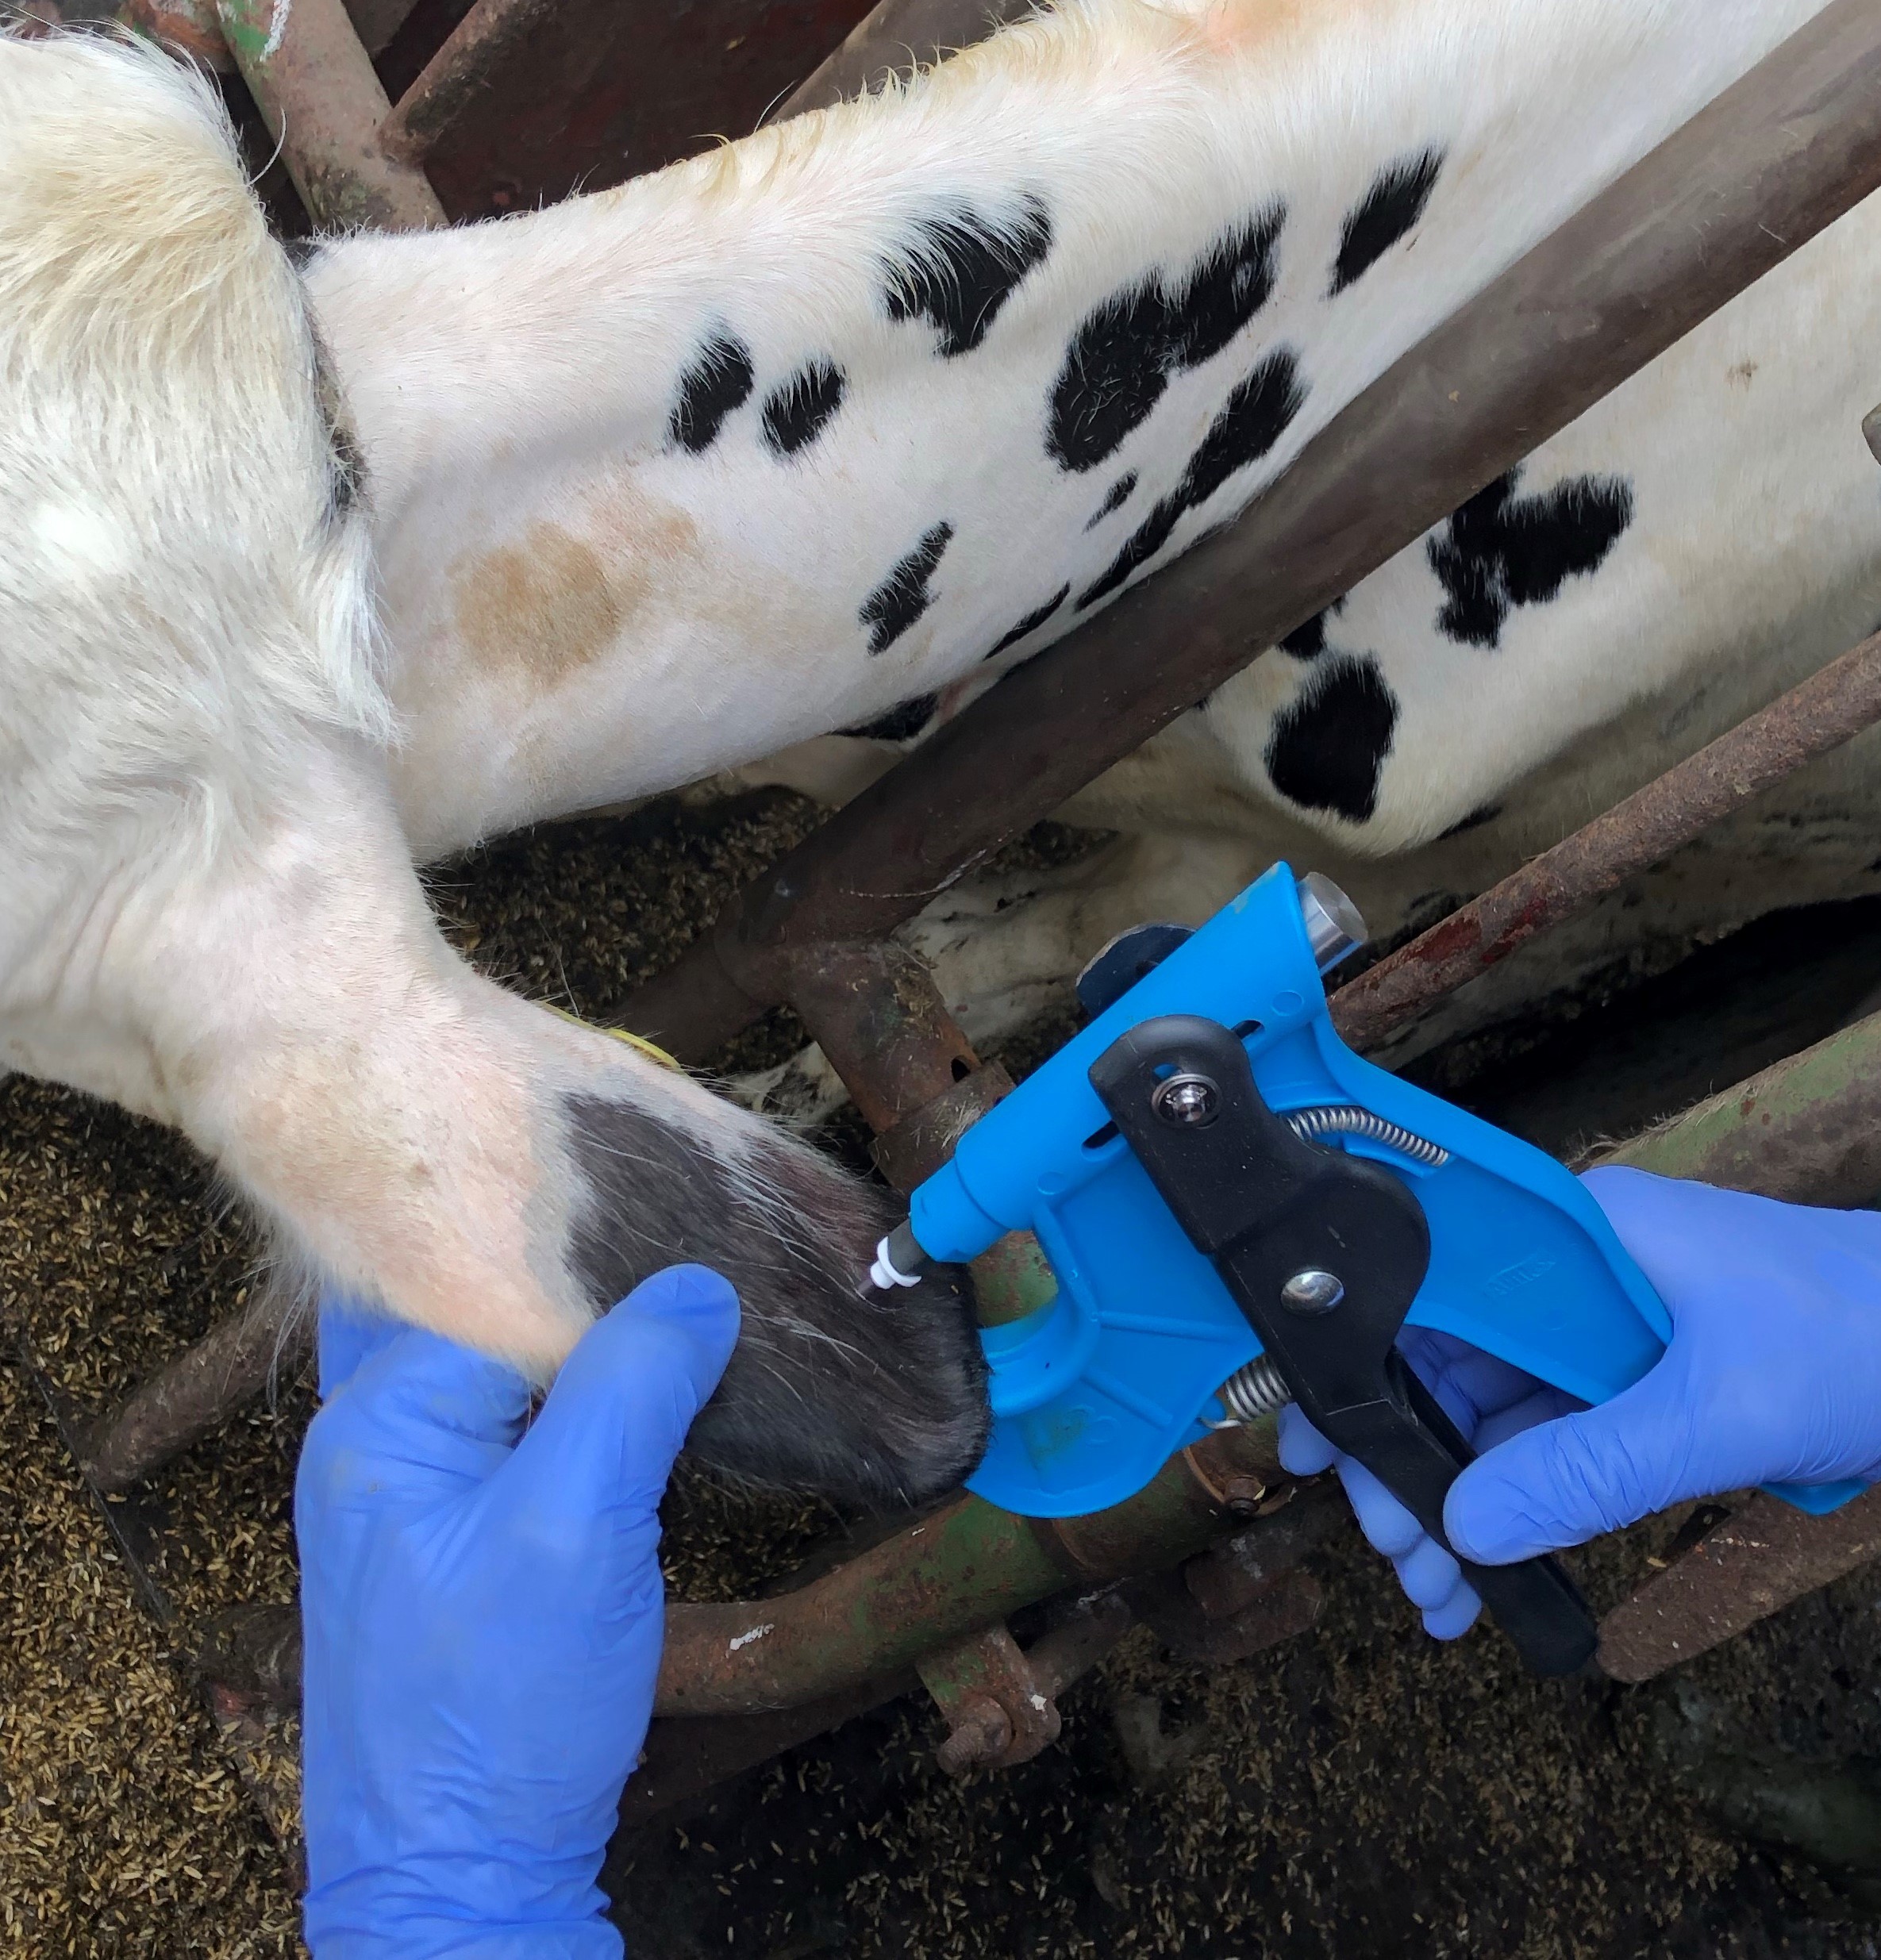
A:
(1830, 708)
(1782, 153)
(318, 92)
(998, 1712)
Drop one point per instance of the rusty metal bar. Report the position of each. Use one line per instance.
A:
(887, 1032)
(190, 27)
(194, 1394)
(1829, 709)
(894, 38)
(684, 1758)
(1738, 1573)
(1786, 151)
(315, 85)
(458, 73)
(194, 28)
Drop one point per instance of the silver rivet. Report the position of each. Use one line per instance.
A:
(1312, 1291)
(1190, 1100)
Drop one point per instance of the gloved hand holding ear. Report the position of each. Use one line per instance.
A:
(1773, 1375)
(483, 1613)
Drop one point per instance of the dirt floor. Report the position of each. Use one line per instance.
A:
(1357, 1792)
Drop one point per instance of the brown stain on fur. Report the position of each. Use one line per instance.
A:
(551, 603)
(545, 606)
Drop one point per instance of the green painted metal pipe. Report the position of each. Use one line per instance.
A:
(1807, 1128)
(963, 1569)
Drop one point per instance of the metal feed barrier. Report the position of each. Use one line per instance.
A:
(523, 97)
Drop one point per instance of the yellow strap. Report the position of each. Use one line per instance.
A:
(651, 1050)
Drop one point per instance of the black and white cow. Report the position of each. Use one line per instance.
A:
(307, 577)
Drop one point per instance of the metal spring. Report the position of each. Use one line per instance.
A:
(1346, 1119)
(1258, 1389)
(1253, 1392)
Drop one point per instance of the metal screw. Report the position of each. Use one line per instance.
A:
(1190, 1100)
(1311, 1291)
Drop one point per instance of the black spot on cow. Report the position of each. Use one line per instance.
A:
(1392, 205)
(1483, 813)
(1254, 417)
(1501, 551)
(901, 724)
(963, 267)
(1121, 356)
(796, 413)
(1031, 622)
(1114, 498)
(1309, 642)
(903, 596)
(1252, 420)
(1328, 746)
(717, 382)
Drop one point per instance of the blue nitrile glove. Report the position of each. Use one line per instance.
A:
(1488, 1401)
(1773, 1376)
(483, 1614)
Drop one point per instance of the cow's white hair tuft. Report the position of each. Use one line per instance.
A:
(181, 589)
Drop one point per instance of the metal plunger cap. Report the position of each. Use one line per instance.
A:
(1335, 926)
